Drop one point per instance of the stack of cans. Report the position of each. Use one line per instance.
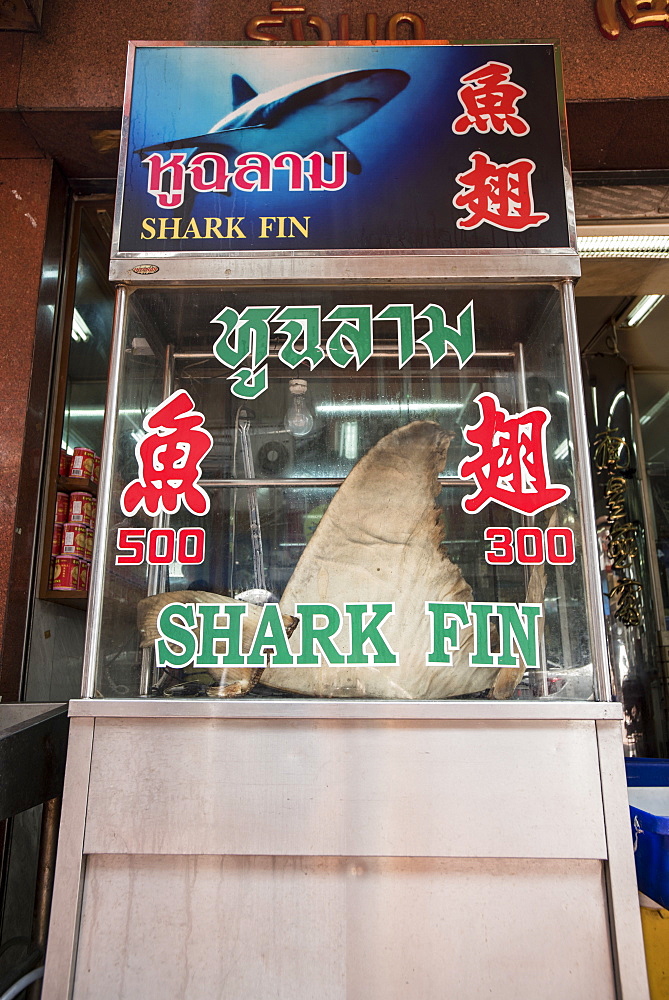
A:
(82, 464)
(72, 545)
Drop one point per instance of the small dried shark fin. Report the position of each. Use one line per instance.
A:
(380, 541)
(230, 681)
(509, 678)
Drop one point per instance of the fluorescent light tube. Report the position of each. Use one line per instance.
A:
(629, 245)
(641, 309)
(80, 328)
(337, 408)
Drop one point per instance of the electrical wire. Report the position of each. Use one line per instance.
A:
(20, 984)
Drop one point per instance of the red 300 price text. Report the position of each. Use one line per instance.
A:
(530, 546)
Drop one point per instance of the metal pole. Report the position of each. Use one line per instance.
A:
(45, 868)
(593, 596)
(521, 379)
(46, 864)
(157, 576)
(94, 619)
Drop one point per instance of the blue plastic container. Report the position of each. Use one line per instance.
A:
(648, 791)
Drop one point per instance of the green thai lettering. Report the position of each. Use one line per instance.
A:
(301, 322)
(247, 335)
(441, 335)
(247, 384)
(357, 332)
(403, 315)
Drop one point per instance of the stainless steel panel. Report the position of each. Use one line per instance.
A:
(624, 913)
(68, 882)
(315, 787)
(174, 928)
(341, 708)
(436, 267)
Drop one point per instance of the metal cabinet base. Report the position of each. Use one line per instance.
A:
(345, 850)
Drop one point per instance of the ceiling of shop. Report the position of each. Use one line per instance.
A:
(602, 294)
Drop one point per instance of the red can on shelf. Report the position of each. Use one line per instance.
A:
(82, 463)
(66, 573)
(62, 507)
(81, 508)
(57, 539)
(52, 567)
(84, 569)
(96, 469)
(88, 546)
(64, 464)
(74, 540)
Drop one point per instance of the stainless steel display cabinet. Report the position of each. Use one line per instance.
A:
(345, 849)
(342, 846)
(276, 836)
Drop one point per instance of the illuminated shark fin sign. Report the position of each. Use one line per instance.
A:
(294, 128)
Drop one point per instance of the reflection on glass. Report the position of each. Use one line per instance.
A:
(88, 359)
(653, 400)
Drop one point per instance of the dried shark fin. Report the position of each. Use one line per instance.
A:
(380, 541)
(230, 681)
(509, 678)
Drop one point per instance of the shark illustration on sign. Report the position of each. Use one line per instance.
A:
(303, 116)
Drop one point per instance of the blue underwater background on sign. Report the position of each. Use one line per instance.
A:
(397, 126)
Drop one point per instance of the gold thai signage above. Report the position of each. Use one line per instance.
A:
(635, 13)
(298, 27)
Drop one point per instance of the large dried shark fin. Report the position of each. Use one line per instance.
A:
(380, 541)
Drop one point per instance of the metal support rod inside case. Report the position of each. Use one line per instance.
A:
(158, 575)
(101, 540)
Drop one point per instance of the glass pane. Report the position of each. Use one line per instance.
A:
(373, 455)
(653, 399)
(89, 345)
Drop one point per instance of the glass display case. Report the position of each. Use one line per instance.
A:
(384, 504)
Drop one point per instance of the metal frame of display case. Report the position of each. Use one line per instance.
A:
(581, 466)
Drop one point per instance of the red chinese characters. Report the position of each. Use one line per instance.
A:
(169, 458)
(498, 193)
(489, 100)
(511, 466)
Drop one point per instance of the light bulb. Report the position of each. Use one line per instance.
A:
(298, 420)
